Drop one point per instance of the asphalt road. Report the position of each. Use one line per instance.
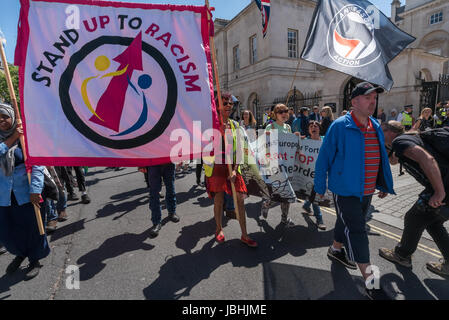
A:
(108, 242)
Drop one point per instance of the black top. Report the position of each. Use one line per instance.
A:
(325, 124)
(405, 141)
(425, 124)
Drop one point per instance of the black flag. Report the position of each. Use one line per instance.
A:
(354, 37)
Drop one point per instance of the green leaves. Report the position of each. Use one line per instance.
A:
(4, 92)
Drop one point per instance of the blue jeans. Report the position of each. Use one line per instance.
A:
(155, 176)
(228, 202)
(61, 205)
(316, 210)
(49, 209)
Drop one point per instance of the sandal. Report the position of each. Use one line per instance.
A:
(219, 237)
(249, 242)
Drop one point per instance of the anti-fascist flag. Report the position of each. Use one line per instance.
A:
(355, 38)
(108, 83)
(264, 7)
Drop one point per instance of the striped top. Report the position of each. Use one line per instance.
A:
(372, 155)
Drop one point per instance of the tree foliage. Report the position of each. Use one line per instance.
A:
(4, 92)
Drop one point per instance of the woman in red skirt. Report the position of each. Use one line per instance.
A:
(218, 181)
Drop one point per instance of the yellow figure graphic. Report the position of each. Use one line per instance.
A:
(102, 63)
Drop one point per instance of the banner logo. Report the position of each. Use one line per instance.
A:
(108, 117)
(350, 40)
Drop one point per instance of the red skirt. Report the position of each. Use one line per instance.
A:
(219, 182)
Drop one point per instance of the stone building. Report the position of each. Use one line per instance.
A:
(260, 71)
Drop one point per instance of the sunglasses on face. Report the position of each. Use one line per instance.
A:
(228, 103)
(282, 111)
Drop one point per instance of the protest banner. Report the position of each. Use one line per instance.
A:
(302, 180)
(110, 90)
(288, 172)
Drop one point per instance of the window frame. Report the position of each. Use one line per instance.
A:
(236, 58)
(436, 18)
(253, 49)
(292, 53)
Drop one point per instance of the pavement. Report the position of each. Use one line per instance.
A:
(106, 246)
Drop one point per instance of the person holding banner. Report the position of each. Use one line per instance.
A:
(218, 181)
(280, 117)
(18, 226)
(314, 132)
(353, 142)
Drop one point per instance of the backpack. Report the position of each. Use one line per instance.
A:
(438, 140)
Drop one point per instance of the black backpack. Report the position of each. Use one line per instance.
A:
(438, 140)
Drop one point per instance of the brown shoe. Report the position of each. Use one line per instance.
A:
(391, 255)
(441, 269)
(62, 216)
(51, 226)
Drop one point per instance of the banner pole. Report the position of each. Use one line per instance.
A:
(220, 104)
(22, 138)
(293, 82)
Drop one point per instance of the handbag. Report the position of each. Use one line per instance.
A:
(50, 190)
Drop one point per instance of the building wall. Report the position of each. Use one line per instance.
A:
(433, 38)
(272, 74)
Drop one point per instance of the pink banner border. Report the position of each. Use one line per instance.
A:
(23, 33)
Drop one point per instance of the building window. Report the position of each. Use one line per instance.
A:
(236, 57)
(253, 49)
(292, 43)
(436, 18)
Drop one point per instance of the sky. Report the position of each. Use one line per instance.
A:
(225, 9)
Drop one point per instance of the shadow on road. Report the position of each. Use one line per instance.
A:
(9, 280)
(440, 288)
(410, 287)
(124, 207)
(190, 235)
(93, 262)
(193, 193)
(289, 282)
(67, 230)
(181, 273)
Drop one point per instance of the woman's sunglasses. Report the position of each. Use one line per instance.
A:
(282, 111)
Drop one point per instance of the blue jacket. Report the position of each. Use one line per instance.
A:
(341, 160)
(18, 182)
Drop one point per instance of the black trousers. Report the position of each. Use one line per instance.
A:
(66, 174)
(415, 222)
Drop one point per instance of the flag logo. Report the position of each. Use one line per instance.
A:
(350, 40)
(109, 117)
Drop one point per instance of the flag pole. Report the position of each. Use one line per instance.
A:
(19, 122)
(289, 94)
(220, 104)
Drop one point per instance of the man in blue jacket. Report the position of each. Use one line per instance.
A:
(353, 162)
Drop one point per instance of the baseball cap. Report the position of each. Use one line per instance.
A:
(364, 88)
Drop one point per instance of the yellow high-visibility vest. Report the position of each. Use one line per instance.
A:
(407, 119)
(208, 161)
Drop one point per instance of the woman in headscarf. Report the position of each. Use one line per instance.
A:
(18, 226)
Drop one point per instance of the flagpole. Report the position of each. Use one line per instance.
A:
(22, 138)
(220, 104)
(289, 94)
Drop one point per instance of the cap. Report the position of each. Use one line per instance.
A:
(365, 88)
(408, 106)
(304, 109)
